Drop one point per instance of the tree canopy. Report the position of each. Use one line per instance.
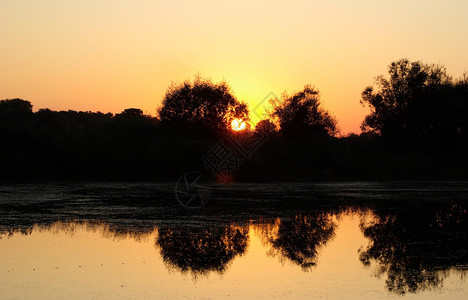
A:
(265, 126)
(417, 100)
(16, 105)
(201, 108)
(301, 114)
(15, 114)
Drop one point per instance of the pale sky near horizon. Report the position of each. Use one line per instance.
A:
(108, 55)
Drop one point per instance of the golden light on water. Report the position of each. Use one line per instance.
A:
(237, 125)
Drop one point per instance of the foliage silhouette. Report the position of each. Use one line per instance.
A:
(70, 145)
(417, 129)
(299, 238)
(301, 115)
(15, 107)
(201, 250)
(201, 109)
(417, 101)
(15, 115)
(415, 246)
(266, 126)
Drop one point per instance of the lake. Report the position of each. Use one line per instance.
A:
(353, 240)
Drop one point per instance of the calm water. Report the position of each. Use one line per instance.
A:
(251, 241)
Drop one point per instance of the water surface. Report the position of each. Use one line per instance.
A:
(328, 240)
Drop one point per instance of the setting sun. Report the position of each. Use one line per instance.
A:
(237, 125)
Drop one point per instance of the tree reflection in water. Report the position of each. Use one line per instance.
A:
(415, 243)
(416, 246)
(107, 230)
(199, 250)
(299, 238)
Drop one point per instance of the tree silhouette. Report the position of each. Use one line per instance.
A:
(420, 107)
(300, 238)
(132, 120)
(413, 246)
(15, 106)
(266, 126)
(15, 114)
(132, 112)
(201, 250)
(418, 100)
(301, 115)
(201, 108)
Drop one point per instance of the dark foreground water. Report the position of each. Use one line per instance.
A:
(363, 240)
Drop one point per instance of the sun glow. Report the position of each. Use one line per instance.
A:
(237, 125)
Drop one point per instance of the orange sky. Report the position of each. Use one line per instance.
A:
(110, 55)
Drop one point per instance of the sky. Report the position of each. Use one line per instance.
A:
(109, 55)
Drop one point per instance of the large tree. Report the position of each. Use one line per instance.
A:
(201, 108)
(301, 114)
(417, 100)
(15, 114)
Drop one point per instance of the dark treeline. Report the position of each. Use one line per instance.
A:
(70, 145)
(417, 129)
